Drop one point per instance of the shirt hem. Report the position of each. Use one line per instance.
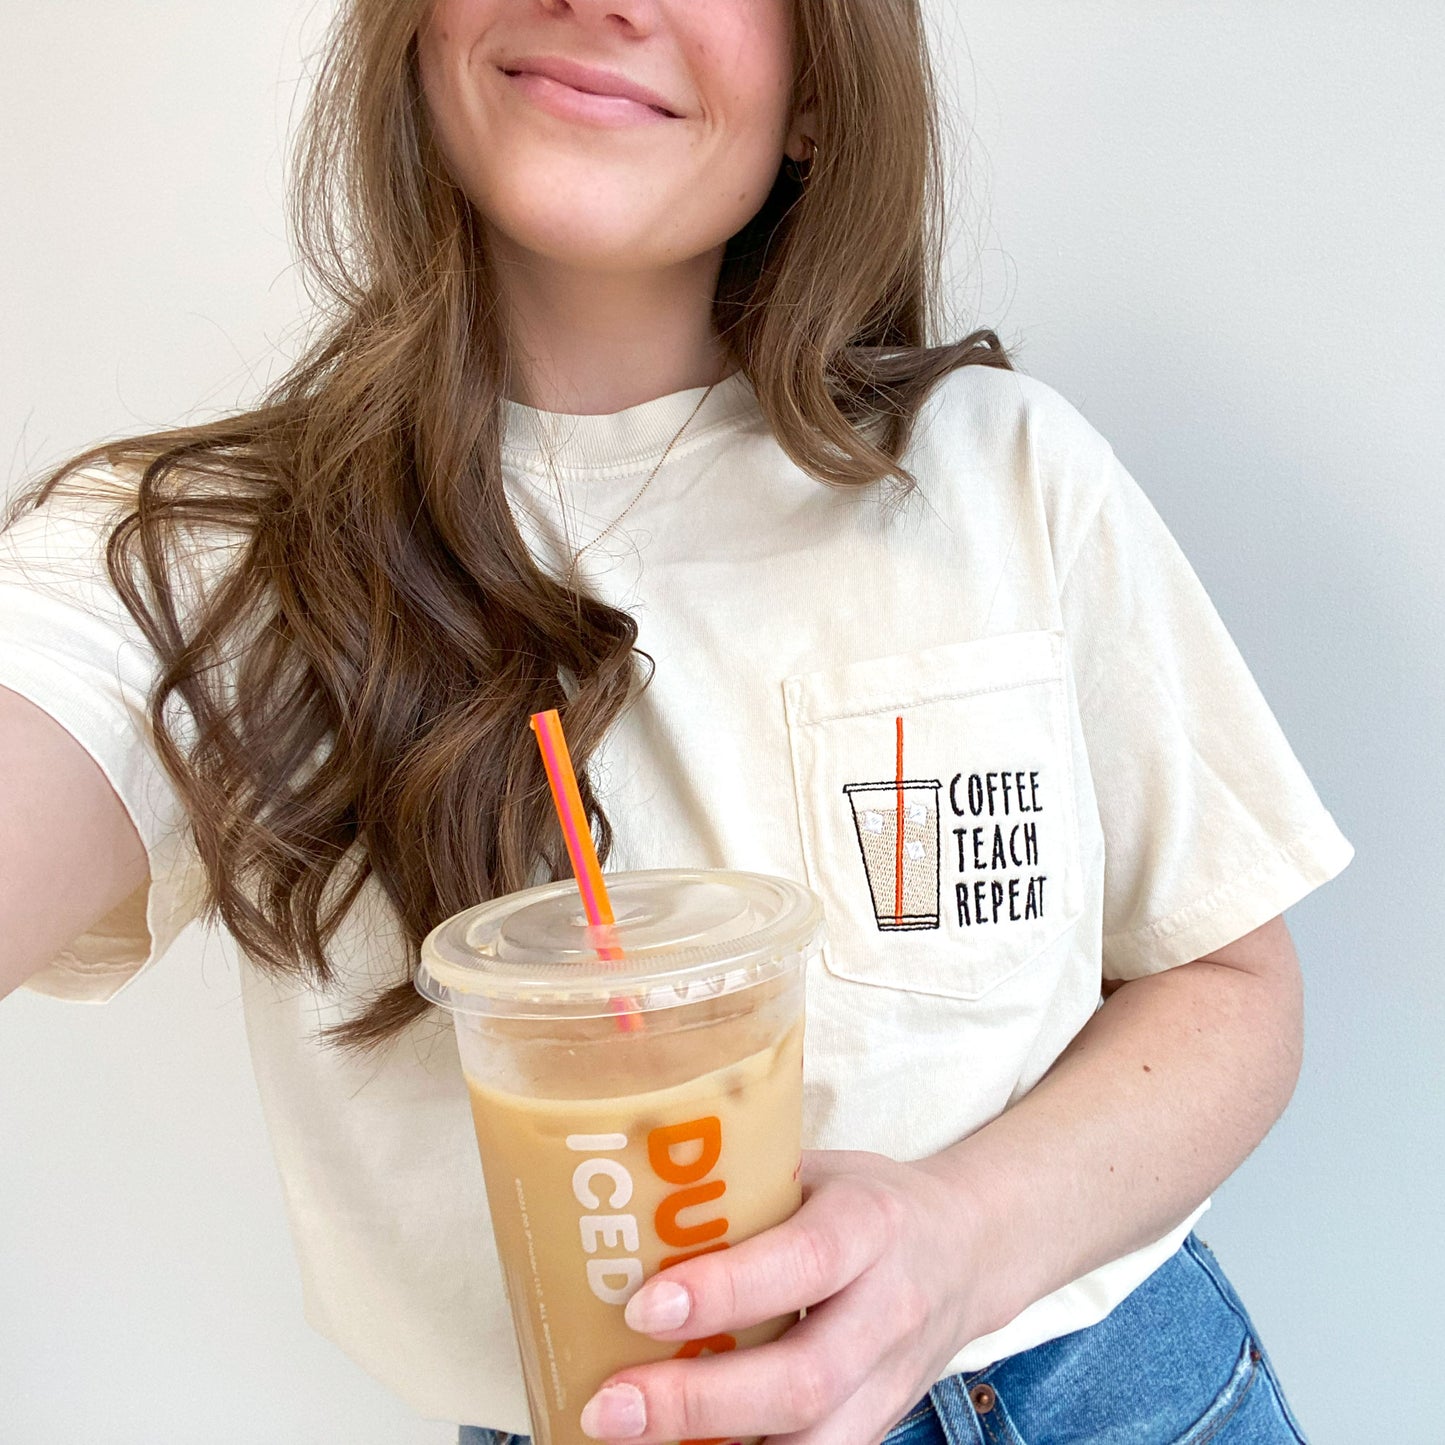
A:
(1276, 881)
(1076, 1306)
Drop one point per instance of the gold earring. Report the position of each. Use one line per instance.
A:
(812, 160)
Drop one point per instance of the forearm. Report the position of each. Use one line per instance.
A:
(1159, 1098)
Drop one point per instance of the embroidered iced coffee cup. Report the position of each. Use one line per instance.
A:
(611, 1153)
(897, 828)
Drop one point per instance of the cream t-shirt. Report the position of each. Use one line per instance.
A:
(1094, 787)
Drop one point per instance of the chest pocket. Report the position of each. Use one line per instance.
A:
(936, 797)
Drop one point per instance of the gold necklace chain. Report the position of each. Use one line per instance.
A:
(577, 556)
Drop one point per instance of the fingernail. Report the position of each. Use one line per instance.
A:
(657, 1307)
(615, 1413)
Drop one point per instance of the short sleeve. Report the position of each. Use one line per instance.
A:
(1211, 826)
(69, 645)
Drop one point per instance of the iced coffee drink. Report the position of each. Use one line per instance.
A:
(637, 1101)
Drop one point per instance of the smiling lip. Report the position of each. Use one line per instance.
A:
(588, 80)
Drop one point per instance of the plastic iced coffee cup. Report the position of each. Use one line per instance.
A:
(637, 1095)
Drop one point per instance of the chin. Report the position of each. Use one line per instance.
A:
(573, 236)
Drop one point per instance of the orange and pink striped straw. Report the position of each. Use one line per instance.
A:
(577, 834)
(898, 831)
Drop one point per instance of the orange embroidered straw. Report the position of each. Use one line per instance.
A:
(898, 830)
(580, 848)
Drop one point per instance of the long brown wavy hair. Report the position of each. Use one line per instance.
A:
(360, 675)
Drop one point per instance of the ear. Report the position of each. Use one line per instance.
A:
(804, 123)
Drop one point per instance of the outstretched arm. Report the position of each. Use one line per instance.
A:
(68, 850)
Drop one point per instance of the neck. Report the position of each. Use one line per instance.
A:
(589, 343)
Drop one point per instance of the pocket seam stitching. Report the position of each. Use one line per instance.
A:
(828, 717)
(1241, 1394)
(799, 687)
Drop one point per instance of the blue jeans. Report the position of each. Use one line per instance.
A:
(1178, 1362)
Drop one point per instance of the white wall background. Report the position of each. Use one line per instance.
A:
(1216, 226)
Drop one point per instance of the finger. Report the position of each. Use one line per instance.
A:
(791, 1384)
(866, 1418)
(840, 1230)
(818, 1166)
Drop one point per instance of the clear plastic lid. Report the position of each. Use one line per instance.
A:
(679, 935)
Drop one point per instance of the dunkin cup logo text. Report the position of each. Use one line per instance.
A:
(682, 1156)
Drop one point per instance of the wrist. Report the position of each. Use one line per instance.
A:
(987, 1238)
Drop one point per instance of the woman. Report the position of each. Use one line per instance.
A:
(626, 406)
